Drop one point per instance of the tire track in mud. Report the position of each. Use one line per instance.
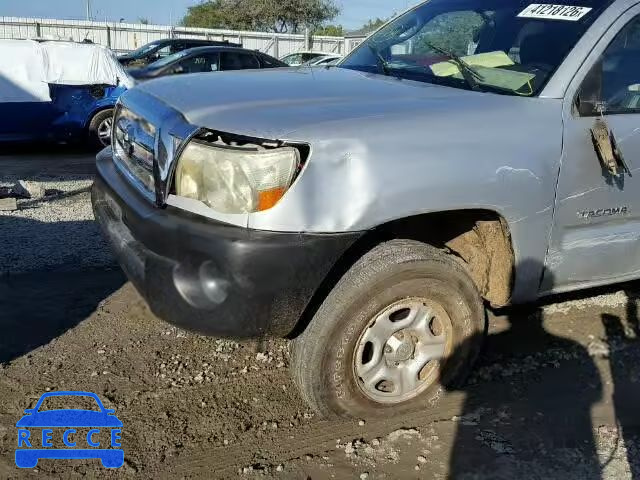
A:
(311, 438)
(321, 436)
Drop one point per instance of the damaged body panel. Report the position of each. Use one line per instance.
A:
(596, 224)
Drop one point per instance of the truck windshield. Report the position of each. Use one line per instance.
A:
(503, 46)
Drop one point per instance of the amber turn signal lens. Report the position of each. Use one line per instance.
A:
(268, 198)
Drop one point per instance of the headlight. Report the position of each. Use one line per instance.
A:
(235, 180)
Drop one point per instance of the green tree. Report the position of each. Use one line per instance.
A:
(211, 14)
(266, 15)
(372, 25)
(330, 31)
(144, 21)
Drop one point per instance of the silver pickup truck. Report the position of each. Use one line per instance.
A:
(469, 154)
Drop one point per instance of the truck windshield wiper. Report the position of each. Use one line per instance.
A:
(382, 62)
(468, 73)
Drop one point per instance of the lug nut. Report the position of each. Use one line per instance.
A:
(387, 349)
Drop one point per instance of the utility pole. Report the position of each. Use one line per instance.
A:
(88, 10)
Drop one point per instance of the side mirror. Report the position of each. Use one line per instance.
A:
(29, 411)
(109, 411)
(179, 69)
(610, 156)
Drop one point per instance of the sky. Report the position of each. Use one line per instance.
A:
(354, 12)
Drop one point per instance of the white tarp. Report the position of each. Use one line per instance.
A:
(69, 63)
(28, 67)
(22, 72)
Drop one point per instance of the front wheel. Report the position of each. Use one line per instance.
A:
(404, 323)
(100, 128)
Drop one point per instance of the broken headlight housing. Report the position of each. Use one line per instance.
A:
(235, 179)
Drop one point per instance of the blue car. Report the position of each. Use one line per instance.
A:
(59, 91)
(75, 114)
(61, 426)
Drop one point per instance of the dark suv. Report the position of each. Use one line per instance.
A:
(206, 59)
(154, 51)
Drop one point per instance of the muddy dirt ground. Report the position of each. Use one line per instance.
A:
(556, 394)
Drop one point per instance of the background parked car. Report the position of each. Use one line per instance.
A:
(324, 61)
(207, 59)
(58, 91)
(300, 58)
(153, 51)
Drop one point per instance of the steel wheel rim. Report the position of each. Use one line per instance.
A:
(104, 131)
(399, 353)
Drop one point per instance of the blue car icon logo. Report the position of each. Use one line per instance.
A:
(69, 433)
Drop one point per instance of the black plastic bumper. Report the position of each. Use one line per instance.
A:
(207, 276)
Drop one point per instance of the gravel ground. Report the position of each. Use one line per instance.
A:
(542, 403)
(554, 396)
(52, 234)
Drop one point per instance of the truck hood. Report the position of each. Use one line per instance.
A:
(276, 103)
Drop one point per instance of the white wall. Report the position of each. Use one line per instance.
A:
(123, 37)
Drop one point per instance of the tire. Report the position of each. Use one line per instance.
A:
(97, 126)
(396, 282)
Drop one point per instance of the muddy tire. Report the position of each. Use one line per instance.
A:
(402, 326)
(99, 132)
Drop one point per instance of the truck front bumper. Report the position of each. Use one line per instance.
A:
(207, 276)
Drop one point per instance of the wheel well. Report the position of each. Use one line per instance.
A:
(93, 114)
(479, 239)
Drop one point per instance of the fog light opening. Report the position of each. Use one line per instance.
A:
(213, 287)
(202, 286)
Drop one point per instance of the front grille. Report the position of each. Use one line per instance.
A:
(133, 148)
